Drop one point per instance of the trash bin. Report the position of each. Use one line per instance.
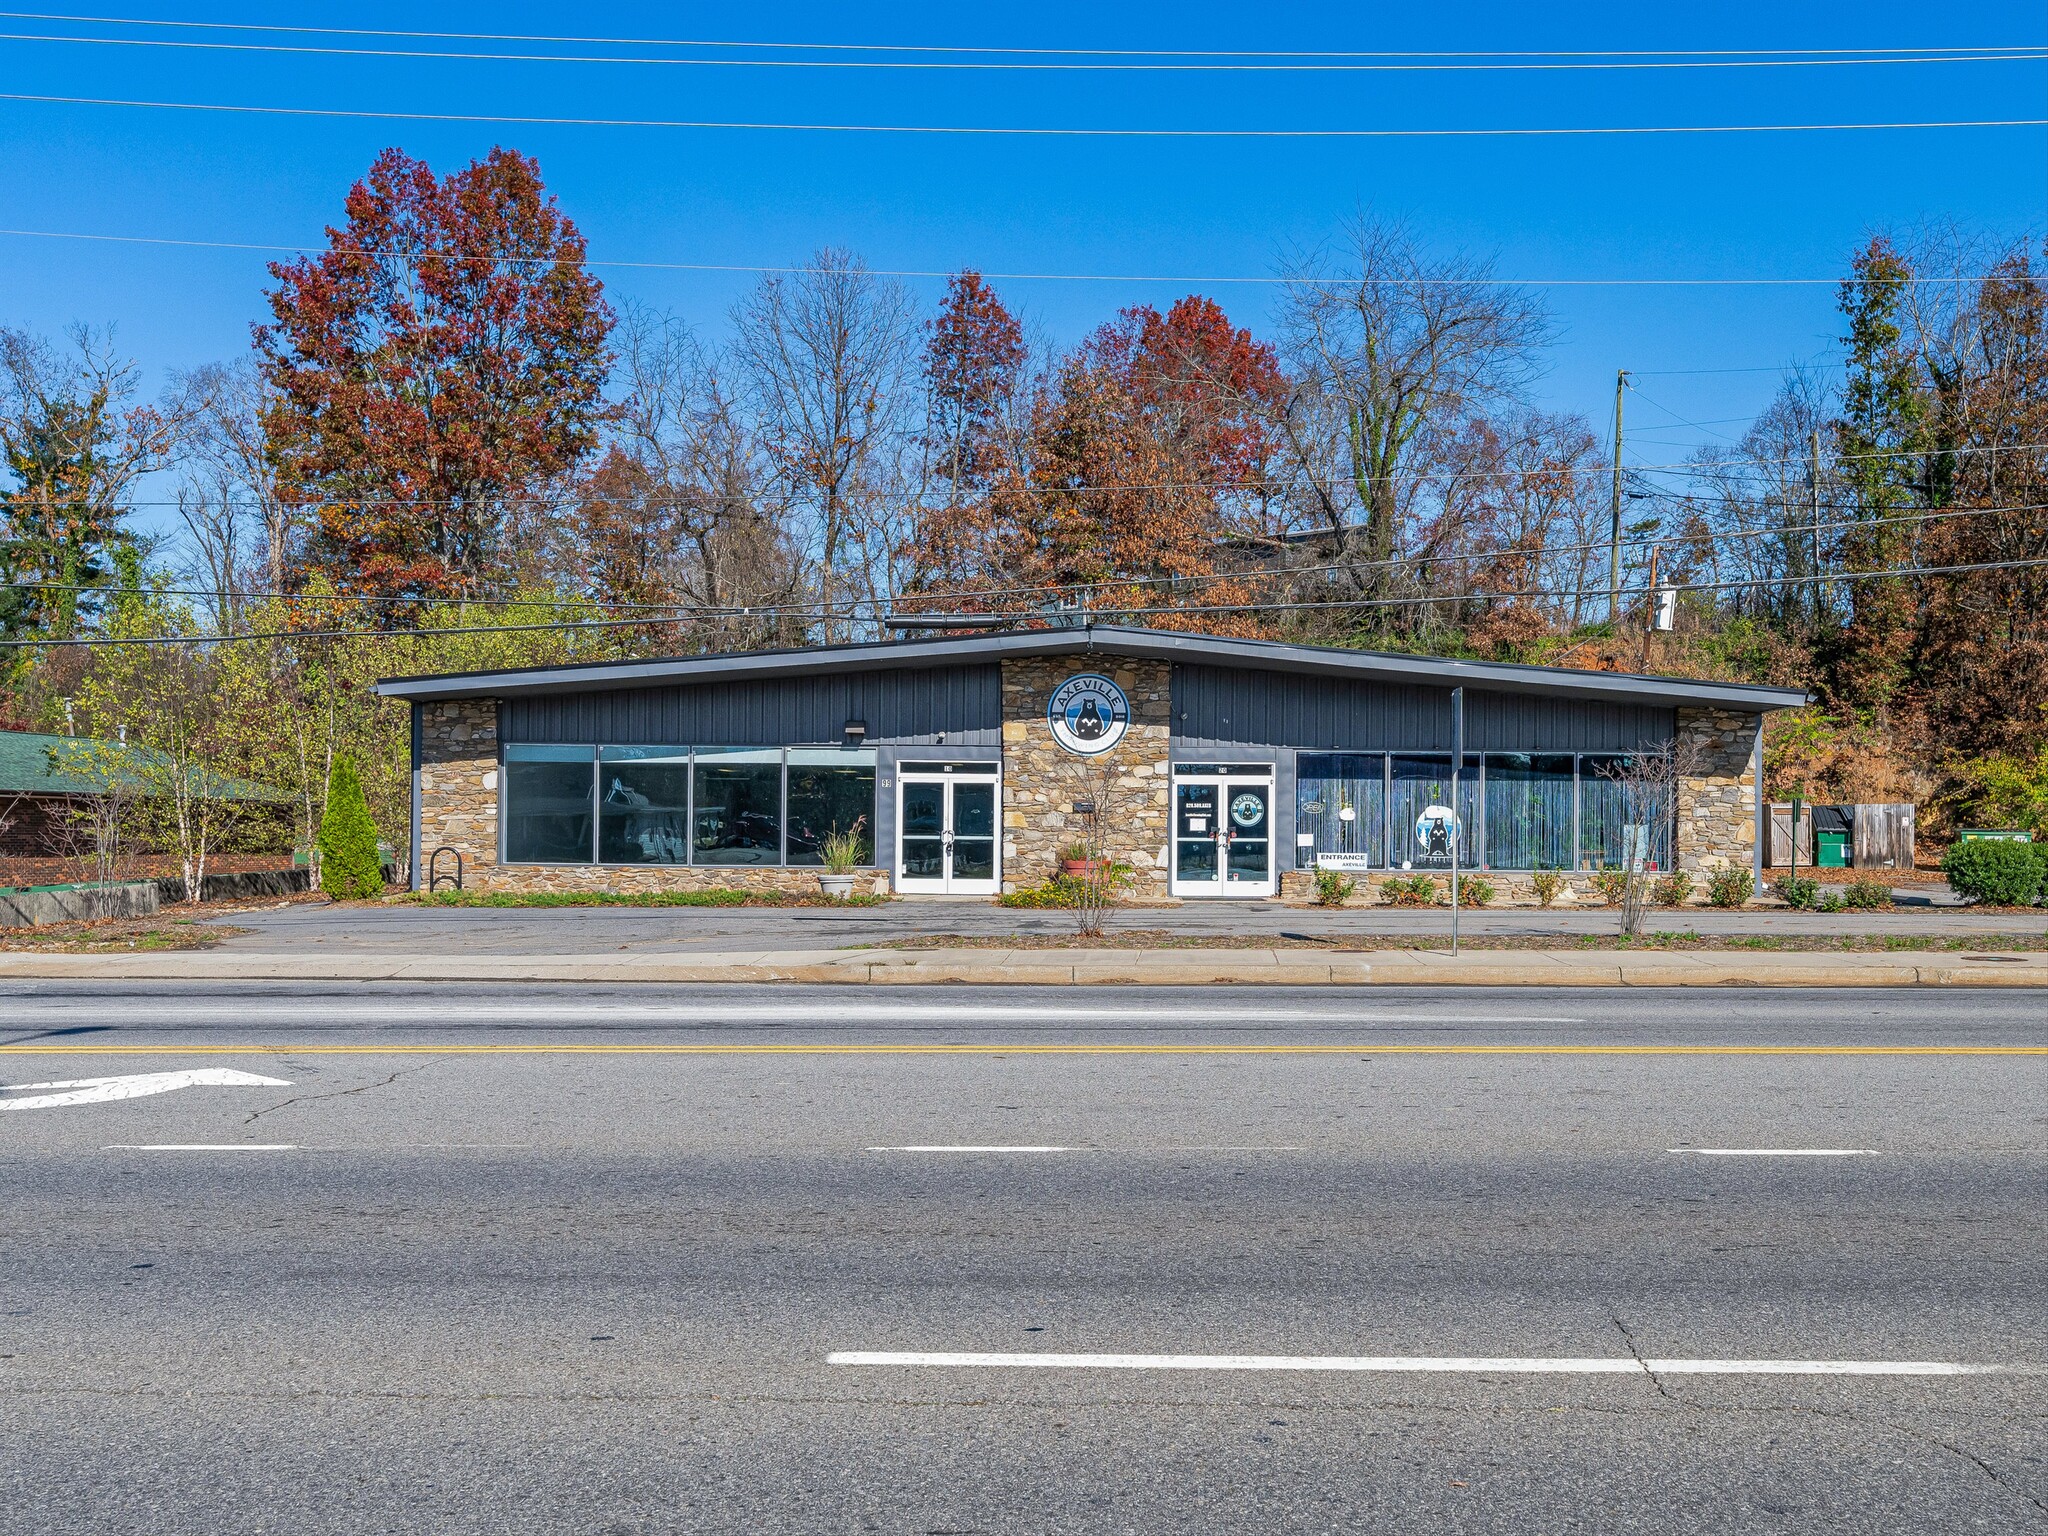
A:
(1834, 850)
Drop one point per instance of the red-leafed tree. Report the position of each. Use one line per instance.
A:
(445, 356)
(1210, 389)
(974, 389)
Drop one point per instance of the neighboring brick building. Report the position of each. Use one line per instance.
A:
(1214, 767)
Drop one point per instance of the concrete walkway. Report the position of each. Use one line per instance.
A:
(1069, 967)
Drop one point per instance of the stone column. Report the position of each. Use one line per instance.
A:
(459, 785)
(1038, 812)
(1717, 797)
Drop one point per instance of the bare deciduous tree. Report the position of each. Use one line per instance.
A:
(829, 355)
(1391, 350)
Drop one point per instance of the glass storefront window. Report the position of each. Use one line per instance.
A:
(738, 817)
(830, 790)
(643, 805)
(1603, 813)
(1528, 811)
(1418, 841)
(548, 796)
(1340, 801)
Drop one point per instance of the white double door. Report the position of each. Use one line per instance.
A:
(949, 833)
(1223, 832)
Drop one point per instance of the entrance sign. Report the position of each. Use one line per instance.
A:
(1088, 714)
(1349, 862)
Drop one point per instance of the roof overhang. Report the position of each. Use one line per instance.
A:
(1096, 640)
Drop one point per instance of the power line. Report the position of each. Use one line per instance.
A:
(942, 130)
(1283, 280)
(1421, 600)
(1149, 53)
(1824, 59)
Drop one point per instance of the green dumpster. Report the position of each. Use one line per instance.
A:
(1833, 852)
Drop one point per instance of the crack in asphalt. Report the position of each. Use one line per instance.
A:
(315, 1098)
(1630, 1340)
(1979, 1463)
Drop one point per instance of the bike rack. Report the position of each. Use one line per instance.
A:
(434, 877)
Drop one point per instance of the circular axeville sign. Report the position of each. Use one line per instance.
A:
(1088, 714)
(1436, 829)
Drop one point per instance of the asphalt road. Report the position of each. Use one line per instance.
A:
(556, 1259)
(305, 926)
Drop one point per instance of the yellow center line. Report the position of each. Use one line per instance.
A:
(1023, 1050)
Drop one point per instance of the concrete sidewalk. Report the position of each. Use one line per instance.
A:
(1072, 967)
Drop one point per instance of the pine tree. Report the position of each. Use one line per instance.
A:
(350, 869)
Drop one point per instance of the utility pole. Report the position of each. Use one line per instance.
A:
(1614, 525)
(1813, 517)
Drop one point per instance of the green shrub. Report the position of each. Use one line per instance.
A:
(1796, 891)
(1333, 888)
(1548, 884)
(1831, 902)
(1996, 872)
(1612, 884)
(350, 869)
(1475, 892)
(1867, 893)
(1672, 890)
(1409, 891)
(1067, 891)
(1731, 886)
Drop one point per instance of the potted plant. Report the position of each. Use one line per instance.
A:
(841, 851)
(1079, 861)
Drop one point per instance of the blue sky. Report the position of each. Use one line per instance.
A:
(1778, 205)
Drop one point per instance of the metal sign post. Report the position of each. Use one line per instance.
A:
(1457, 818)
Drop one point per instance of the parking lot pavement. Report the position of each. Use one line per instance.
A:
(574, 930)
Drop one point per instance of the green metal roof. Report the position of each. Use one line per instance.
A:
(34, 764)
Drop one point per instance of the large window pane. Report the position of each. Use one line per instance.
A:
(1339, 805)
(1528, 811)
(643, 804)
(830, 790)
(547, 805)
(1420, 783)
(739, 806)
(1609, 805)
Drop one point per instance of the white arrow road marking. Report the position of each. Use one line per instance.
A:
(137, 1085)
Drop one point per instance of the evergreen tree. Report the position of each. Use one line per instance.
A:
(349, 867)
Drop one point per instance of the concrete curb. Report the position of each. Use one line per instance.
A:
(1070, 967)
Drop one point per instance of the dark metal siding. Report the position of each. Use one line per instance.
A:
(1231, 704)
(964, 704)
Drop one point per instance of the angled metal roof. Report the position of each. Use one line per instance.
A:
(35, 764)
(1096, 640)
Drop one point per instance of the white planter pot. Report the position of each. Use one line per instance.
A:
(839, 886)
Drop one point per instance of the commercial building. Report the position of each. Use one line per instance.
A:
(1213, 767)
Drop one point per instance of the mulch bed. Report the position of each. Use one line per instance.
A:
(175, 927)
(1159, 938)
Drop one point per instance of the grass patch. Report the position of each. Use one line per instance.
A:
(716, 897)
(116, 936)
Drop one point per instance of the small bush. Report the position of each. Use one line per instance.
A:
(1066, 891)
(1548, 884)
(1731, 886)
(1475, 892)
(1409, 891)
(1333, 888)
(1831, 902)
(1612, 884)
(1672, 890)
(1867, 893)
(1996, 872)
(350, 869)
(1796, 891)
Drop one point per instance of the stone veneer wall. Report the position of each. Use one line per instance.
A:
(459, 809)
(1717, 800)
(458, 787)
(1038, 774)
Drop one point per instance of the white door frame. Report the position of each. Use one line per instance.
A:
(948, 884)
(1233, 777)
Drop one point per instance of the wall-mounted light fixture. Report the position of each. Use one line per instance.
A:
(856, 732)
